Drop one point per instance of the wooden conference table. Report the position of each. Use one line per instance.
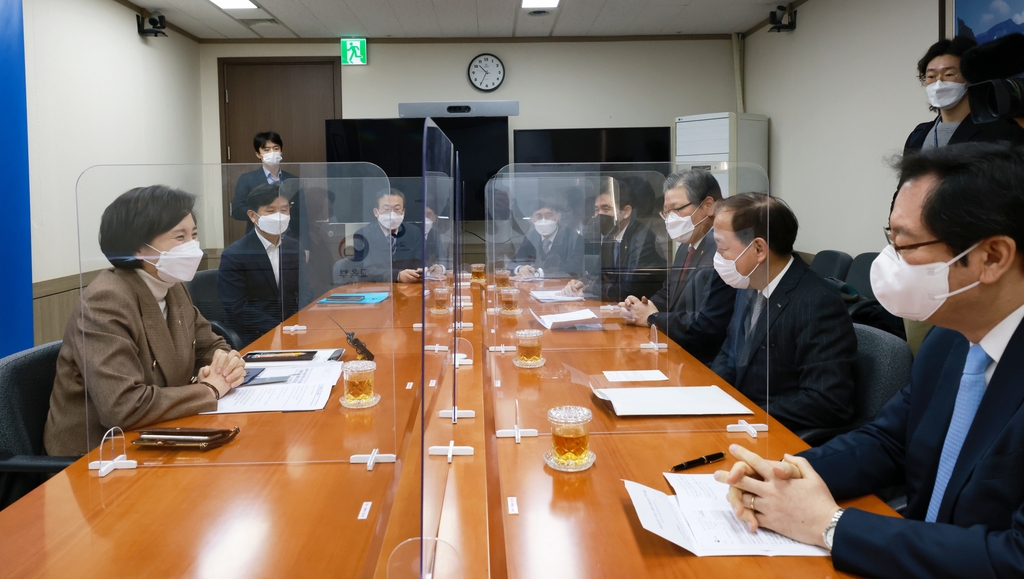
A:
(283, 500)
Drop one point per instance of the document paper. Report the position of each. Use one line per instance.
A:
(553, 296)
(672, 401)
(567, 320)
(699, 519)
(308, 388)
(634, 375)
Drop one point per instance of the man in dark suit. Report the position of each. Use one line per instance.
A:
(622, 257)
(548, 246)
(388, 250)
(955, 434)
(258, 278)
(791, 346)
(693, 306)
(269, 148)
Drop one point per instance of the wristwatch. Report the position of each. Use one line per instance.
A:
(830, 530)
(652, 319)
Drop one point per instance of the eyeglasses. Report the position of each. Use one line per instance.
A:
(665, 214)
(899, 248)
(947, 75)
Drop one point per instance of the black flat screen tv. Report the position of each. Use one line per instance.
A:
(396, 146)
(615, 145)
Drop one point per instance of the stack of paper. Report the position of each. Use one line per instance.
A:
(567, 320)
(308, 388)
(699, 519)
(671, 401)
(553, 296)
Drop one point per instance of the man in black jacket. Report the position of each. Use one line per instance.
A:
(258, 279)
(791, 347)
(269, 148)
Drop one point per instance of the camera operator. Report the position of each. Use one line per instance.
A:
(995, 71)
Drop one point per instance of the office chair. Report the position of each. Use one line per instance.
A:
(859, 274)
(830, 263)
(882, 370)
(206, 297)
(26, 380)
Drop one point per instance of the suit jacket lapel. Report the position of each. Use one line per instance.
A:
(964, 131)
(775, 305)
(698, 256)
(158, 334)
(1002, 399)
(259, 254)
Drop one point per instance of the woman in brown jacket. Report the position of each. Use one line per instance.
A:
(136, 351)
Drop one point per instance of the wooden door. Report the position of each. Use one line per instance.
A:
(291, 96)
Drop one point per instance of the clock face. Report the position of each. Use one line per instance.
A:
(486, 72)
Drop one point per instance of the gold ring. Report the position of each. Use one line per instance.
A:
(752, 497)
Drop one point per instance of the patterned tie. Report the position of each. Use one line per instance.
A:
(686, 266)
(755, 312)
(968, 398)
(547, 246)
(394, 243)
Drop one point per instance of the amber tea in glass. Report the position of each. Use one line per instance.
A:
(501, 278)
(508, 300)
(570, 438)
(358, 378)
(440, 300)
(478, 273)
(528, 349)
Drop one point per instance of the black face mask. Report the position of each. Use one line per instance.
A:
(606, 224)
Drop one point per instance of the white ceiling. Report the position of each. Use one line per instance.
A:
(460, 18)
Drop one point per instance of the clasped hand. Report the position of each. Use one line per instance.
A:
(636, 310)
(226, 371)
(787, 497)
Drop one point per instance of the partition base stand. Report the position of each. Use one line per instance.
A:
(455, 414)
(371, 459)
(120, 462)
(450, 451)
(744, 426)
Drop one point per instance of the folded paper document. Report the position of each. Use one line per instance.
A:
(671, 401)
(567, 320)
(553, 296)
(699, 519)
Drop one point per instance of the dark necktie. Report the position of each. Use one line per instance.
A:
(394, 243)
(686, 265)
(755, 312)
(547, 246)
(615, 253)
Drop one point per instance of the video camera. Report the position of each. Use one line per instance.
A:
(995, 73)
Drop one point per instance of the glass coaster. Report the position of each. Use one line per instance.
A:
(574, 466)
(364, 404)
(520, 364)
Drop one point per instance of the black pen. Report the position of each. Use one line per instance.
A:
(699, 461)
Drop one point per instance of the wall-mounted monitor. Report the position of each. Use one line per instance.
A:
(613, 145)
(395, 145)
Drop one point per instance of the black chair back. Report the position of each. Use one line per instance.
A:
(26, 381)
(859, 275)
(831, 263)
(206, 297)
(883, 369)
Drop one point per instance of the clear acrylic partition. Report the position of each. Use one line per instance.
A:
(614, 248)
(441, 293)
(333, 276)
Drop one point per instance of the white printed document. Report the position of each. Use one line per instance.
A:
(567, 320)
(699, 519)
(553, 296)
(310, 373)
(275, 398)
(634, 375)
(671, 401)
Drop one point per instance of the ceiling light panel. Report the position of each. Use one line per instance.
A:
(234, 4)
(529, 4)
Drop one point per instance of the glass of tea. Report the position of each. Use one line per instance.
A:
(440, 300)
(570, 439)
(449, 278)
(528, 349)
(358, 375)
(501, 278)
(478, 273)
(508, 301)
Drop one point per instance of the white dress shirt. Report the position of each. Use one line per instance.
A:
(273, 253)
(775, 282)
(994, 343)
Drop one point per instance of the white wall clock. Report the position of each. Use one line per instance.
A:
(486, 72)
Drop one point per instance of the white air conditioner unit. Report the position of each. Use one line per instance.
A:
(733, 146)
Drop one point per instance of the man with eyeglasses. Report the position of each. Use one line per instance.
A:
(946, 88)
(955, 435)
(693, 306)
(390, 249)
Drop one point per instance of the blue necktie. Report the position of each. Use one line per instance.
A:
(968, 398)
(394, 243)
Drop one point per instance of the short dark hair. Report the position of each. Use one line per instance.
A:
(136, 217)
(751, 215)
(263, 138)
(979, 194)
(262, 196)
(699, 184)
(389, 192)
(956, 46)
(620, 195)
(549, 202)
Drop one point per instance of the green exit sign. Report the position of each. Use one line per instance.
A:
(353, 51)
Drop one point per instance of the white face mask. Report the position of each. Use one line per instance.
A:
(274, 224)
(272, 159)
(390, 220)
(427, 224)
(726, 268)
(545, 227)
(945, 95)
(179, 264)
(680, 229)
(914, 292)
